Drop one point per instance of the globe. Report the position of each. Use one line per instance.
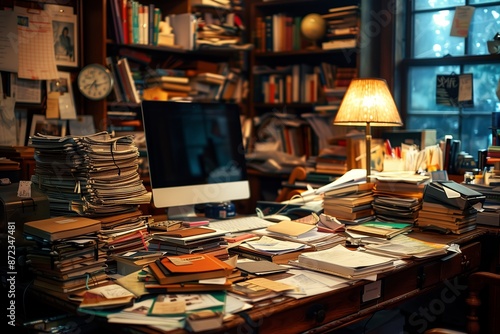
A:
(313, 27)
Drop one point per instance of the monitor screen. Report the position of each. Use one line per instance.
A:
(195, 152)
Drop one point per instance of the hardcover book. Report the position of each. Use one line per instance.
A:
(186, 268)
(381, 229)
(64, 227)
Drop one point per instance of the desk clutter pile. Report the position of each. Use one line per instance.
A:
(130, 269)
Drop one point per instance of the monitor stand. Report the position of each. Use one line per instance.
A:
(185, 212)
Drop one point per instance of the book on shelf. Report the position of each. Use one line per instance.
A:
(125, 74)
(56, 228)
(343, 262)
(186, 268)
(381, 229)
(167, 78)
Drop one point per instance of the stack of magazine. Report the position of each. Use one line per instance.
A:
(92, 175)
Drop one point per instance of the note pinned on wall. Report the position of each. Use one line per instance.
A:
(461, 21)
(35, 44)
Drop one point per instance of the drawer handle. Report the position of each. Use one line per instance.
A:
(317, 313)
(465, 262)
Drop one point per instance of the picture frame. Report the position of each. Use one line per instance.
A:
(65, 32)
(52, 127)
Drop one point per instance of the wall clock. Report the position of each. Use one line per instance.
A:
(95, 81)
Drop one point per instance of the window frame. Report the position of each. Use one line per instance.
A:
(405, 36)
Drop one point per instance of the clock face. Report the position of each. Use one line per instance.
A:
(95, 81)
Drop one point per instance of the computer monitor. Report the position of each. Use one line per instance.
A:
(195, 153)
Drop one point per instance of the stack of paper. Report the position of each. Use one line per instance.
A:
(343, 262)
(89, 175)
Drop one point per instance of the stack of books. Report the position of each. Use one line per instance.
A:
(342, 27)
(350, 204)
(398, 196)
(189, 268)
(193, 240)
(449, 207)
(65, 256)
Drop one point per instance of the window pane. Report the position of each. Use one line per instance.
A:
(485, 81)
(475, 132)
(484, 26)
(432, 36)
(436, 4)
(444, 124)
(422, 85)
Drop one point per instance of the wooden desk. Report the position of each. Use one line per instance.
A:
(338, 308)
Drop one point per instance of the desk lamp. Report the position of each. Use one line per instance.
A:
(368, 102)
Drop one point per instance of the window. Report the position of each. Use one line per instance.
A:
(432, 51)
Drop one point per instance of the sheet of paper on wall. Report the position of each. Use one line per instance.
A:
(461, 21)
(465, 88)
(35, 44)
(25, 90)
(8, 34)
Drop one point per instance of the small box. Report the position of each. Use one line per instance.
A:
(15, 211)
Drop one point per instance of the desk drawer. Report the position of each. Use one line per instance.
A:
(307, 314)
(469, 259)
(400, 283)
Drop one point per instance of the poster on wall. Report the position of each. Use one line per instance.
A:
(454, 90)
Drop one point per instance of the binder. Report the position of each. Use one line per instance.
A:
(453, 194)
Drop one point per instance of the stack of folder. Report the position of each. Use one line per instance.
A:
(123, 233)
(65, 256)
(193, 240)
(189, 268)
(93, 175)
(449, 207)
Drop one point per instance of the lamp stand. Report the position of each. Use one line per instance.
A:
(368, 153)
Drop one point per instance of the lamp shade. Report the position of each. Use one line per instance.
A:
(368, 101)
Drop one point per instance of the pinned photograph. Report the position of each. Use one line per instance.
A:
(65, 41)
(50, 127)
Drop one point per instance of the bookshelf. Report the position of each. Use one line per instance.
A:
(292, 77)
(146, 58)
